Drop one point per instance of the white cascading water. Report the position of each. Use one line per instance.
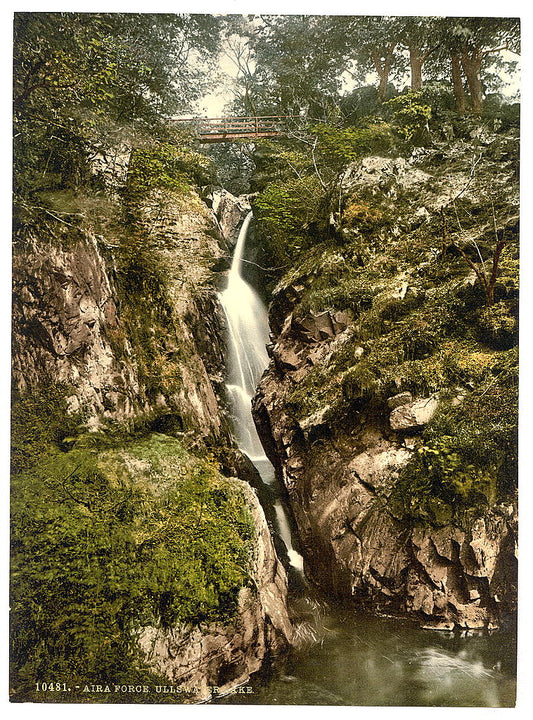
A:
(248, 331)
(247, 357)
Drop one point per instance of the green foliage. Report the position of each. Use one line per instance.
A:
(154, 168)
(105, 541)
(297, 64)
(296, 204)
(81, 80)
(411, 116)
(234, 165)
(166, 167)
(361, 103)
(39, 422)
(290, 212)
(147, 316)
(467, 456)
(339, 146)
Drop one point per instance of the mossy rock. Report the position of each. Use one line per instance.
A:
(107, 539)
(441, 511)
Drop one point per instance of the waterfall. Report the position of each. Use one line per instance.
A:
(247, 359)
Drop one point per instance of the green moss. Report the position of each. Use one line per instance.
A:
(148, 325)
(166, 167)
(39, 422)
(467, 456)
(108, 538)
(420, 323)
(498, 323)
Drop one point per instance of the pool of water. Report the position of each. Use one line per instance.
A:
(346, 657)
(351, 658)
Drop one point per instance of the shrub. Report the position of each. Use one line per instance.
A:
(498, 324)
(411, 116)
(468, 453)
(290, 213)
(166, 167)
(337, 147)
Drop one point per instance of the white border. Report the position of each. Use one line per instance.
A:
(378, 7)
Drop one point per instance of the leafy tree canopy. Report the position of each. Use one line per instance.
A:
(78, 77)
(301, 63)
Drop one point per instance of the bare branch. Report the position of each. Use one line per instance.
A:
(315, 165)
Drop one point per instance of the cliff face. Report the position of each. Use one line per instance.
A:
(117, 350)
(64, 314)
(131, 330)
(358, 374)
(356, 544)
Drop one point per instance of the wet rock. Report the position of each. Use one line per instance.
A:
(447, 541)
(443, 625)
(323, 326)
(317, 419)
(229, 211)
(341, 320)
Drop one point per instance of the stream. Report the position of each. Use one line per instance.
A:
(348, 657)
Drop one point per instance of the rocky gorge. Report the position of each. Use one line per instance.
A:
(127, 351)
(340, 419)
(264, 407)
(376, 338)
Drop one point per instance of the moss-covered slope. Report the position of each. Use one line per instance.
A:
(391, 400)
(109, 539)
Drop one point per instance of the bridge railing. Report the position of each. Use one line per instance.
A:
(239, 125)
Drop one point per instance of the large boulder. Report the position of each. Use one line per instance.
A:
(210, 660)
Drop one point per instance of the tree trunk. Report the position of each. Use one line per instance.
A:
(383, 71)
(382, 89)
(471, 62)
(458, 87)
(416, 60)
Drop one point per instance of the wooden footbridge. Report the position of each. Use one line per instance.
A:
(228, 129)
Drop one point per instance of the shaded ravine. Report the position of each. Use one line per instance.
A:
(343, 656)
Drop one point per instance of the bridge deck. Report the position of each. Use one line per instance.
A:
(227, 129)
